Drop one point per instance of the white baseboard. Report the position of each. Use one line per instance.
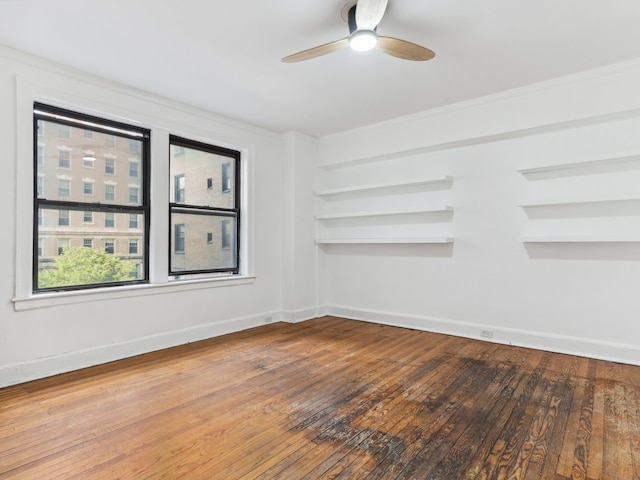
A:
(66, 362)
(295, 316)
(583, 347)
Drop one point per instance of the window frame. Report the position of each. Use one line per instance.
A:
(122, 107)
(235, 157)
(69, 118)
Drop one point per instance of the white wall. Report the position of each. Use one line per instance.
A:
(579, 296)
(299, 252)
(47, 336)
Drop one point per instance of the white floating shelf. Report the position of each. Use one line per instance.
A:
(423, 240)
(586, 163)
(379, 186)
(552, 203)
(581, 239)
(335, 216)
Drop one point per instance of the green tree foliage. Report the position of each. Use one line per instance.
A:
(81, 265)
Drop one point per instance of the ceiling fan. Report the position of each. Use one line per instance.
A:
(363, 18)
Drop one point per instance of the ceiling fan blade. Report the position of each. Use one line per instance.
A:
(317, 51)
(403, 49)
(369, 13)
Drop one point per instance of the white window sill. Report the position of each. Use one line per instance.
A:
(46, 300)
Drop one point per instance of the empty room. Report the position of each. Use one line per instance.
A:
(372, 239)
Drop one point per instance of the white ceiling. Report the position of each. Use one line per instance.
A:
(224, 56)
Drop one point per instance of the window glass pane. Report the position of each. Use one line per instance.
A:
(133, 195)
(117, 161)
(97, 254)
(88, 159)
(109, 220)
(202, 242)
(64, 188)
(64, 159)
(63, 218)
(110, 166)
(179, 189)
(110, 192)
(134, 220)
(202, 178)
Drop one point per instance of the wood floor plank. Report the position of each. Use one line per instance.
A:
(328, 398)
(574, 454)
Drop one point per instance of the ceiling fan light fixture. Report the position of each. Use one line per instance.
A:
(363, 40)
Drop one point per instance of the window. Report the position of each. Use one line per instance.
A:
(179, 188)
(50, 122)
(226, 234)
(64, 188)
(198, 212)
(110, 192)
(63, 245)
(133, 220)
(133, 194)
(64, 159)
(63, 218)
(178, 242)
(98, 204)
(133, 168)
(226, 177)
(110, 246)
(110, 166)
(88, 159)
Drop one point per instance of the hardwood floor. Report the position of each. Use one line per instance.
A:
(328, 398)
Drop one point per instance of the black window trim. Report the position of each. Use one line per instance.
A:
(233, 155)
(111, 127)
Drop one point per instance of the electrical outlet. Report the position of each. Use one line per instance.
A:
(486, 333)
